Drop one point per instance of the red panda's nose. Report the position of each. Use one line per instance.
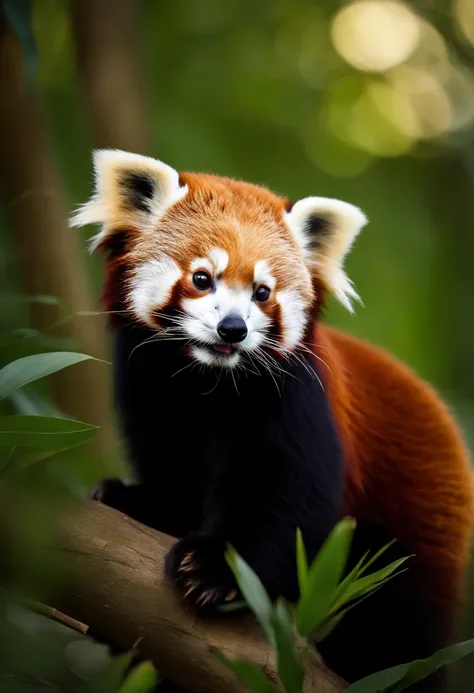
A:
(232, 329)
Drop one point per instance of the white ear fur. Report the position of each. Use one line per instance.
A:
(131, 191)
(325, 229)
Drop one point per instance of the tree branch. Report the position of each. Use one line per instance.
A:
(57, 616)
(113, 582)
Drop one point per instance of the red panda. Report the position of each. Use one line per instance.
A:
(246, 417)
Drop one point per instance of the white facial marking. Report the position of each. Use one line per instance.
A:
(220, 260)
(204, 315)
(151, 285)
(262, 275)
(294, 316)
(202, 263)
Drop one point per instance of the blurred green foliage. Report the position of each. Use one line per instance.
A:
(258, 91)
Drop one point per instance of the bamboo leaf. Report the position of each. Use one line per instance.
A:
(360, 586)
(248, 672)
(290, 666)
(44, 433)
(339, 596)
(375, 557)
(301, 562)
(239, 605)
(253, 592)
(323, 578)
(400, 677)
(142, 679)
(30, 368)
(109, 680)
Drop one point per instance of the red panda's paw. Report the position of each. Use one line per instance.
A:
(197, 567)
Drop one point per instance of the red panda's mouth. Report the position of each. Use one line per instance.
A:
(225, 349)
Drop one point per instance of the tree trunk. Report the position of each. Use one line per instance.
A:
(48, 249)
(111, 68)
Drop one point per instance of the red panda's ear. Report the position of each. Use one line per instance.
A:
(131, 192)
(325, 229)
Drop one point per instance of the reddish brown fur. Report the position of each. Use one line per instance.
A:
(202, 221)
(406, 459)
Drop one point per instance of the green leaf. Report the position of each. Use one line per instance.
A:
(359, 569)
(249, 672)
(380, 681)
(238, 605)
(290, 666)
(301, 562)
(353, 589)
(253, 592)
(339, 596)
(29, 368)
(32, 404)
(44, 433)
(362, 585)
(323, 578)
(141, 680)
(22, 458)
(111, 679)
(328, 625)
(400, 677)
(420, 669)
(376, 556)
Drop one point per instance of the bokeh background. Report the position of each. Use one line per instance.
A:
(370, 101)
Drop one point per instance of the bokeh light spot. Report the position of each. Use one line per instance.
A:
(375, 35)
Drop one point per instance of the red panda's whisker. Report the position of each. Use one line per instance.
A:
(234, 381)
(247, 369)
(257, 372)
(288, 355)
(283, 352)
(217, 381)
(191, 365)
(306, 349)
(308, 368)
(262, 357)
(145, 341)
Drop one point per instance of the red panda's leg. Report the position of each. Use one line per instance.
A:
(275, 465)
(260, 522)
(146, 504)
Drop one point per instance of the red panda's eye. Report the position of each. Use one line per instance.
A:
(262, 294)
(202, 281)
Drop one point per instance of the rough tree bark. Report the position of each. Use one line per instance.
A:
(112, 569)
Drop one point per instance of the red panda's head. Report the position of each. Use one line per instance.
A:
(225, 267)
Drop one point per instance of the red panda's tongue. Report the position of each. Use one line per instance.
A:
(223, 348)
